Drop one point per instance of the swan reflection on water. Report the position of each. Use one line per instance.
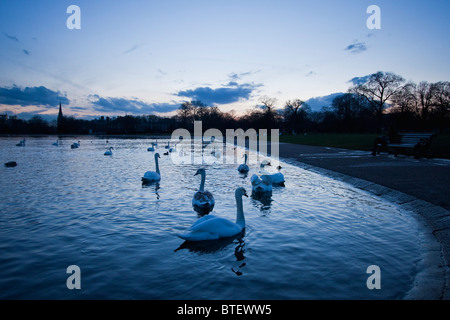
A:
(262, 201)
(214, 246)
(152, 185)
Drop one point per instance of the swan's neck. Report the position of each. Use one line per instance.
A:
(245, 159)
(240, 219)
(157, 165)
(202, 184)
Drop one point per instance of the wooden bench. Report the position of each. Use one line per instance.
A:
(416, 143)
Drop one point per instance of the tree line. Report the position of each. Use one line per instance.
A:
(381, 102)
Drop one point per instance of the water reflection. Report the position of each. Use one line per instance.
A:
(262, 201)
(152, 185)
(214, 246)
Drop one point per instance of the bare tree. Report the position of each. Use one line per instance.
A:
(441, 103)
(185, 113)
(270, 114)
(295, 114)
(379, 88)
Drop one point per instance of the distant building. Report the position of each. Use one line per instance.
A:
(61, 120)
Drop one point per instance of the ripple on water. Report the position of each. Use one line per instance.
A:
(313, 239)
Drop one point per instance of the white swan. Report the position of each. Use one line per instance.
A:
(56, 143)
(261, 184)
(243, 168)
(109, 152)
(168, 145)
(277, 178)
(152, 148)
(75, 145)
(21, 143)
(203, 201)
(214, 228)
(153, 176)
(262, 166)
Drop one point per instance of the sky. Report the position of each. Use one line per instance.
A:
(147, 57)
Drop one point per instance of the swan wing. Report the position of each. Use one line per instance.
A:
(198, 236)
(277, 178)
(216, 227)
(255, 180)
(150, 175)
(243, 168)
(204, 198)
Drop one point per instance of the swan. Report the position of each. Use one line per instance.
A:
(56, 143)
(75, 145)
(21, 143)
(263, 164)
(152, 176)
(203, 201)
(168, 145)
(277, 178)
(214, 228)
(109, 152)
(215, 153)
(261, 184)
(152, 148)
(243, 168)
(11, 164)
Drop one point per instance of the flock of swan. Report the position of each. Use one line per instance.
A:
(210, 227)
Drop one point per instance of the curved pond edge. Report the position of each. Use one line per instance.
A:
(432, 282)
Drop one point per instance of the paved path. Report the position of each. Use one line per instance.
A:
(420, 185)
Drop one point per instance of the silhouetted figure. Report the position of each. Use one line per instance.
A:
(380, 144)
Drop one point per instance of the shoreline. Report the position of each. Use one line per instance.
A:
(433, 280)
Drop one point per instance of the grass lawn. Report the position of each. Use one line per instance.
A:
(440, 147)
(346, 141)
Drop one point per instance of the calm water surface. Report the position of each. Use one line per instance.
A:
(314, 239)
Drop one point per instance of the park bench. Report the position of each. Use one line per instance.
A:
(416, 143)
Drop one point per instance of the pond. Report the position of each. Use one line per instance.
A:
(312, 239)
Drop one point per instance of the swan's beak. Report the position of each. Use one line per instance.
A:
(245, 194)
(269, 164)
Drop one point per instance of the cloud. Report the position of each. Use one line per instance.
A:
(29, 115)
(318, 103)
(232, 92)
(133, 106)
(356, 47)
(130, 50)
(26, 52)
(239, 76)
(359, 80)
(31, 96)
(311, 73)
(10, 37)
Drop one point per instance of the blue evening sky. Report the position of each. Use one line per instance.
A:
(144, 57)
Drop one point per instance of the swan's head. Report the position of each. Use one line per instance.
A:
(200, 171)
(241, 192)
(265, 163)
(279, 168)
(157, 155)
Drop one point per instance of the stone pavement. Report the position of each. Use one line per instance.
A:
(418, 185)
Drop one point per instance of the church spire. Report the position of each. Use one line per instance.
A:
(60, 114)
(60, 123)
